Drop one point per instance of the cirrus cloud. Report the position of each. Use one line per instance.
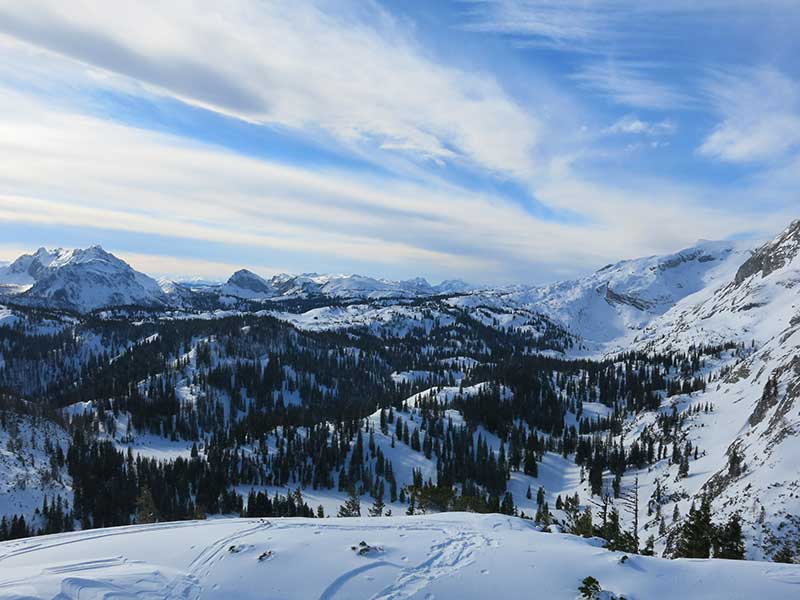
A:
(356, 73)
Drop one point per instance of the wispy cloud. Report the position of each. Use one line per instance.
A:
(632, 84)
(759, 112)
(633, 125)
(565, 24)
(355, 73)
(603, 26)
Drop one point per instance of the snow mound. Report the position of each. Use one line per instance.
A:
(456, 555)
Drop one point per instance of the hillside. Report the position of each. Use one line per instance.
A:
(455, 555)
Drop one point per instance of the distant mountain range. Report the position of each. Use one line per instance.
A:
(606, 305)
(84, 280)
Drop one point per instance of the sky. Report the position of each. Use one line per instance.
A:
(495, 141)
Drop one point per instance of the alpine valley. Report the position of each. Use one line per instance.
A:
(651, 408)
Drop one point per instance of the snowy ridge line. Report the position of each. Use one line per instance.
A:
(457, 555)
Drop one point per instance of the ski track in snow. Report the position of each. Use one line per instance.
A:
(187, 586)
(334, 588)
(444, 559)
(81, 537)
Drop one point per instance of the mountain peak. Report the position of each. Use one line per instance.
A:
(773, 255)
(244, 279)
(80, 279)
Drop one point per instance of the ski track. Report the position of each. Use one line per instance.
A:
(147, 583)
(333, 589)
(80, 537)
(444, 559)
(189, 586)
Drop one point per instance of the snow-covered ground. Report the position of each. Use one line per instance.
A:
(28, 473)
(451, 556)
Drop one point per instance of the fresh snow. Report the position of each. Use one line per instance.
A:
(449, 556)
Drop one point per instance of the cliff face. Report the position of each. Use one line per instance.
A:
(772, 256)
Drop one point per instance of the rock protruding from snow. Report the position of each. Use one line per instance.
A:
(772, 256)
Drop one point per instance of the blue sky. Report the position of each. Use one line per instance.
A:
(495, 141)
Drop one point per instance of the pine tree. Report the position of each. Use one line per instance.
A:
(729, 541)
(589, 588)
(697, 532)
(649, 546)
(784, 555)
(410, 509)
(146, 511)
(683, 469)
(351, 506)
(582, 524)
(507, 506)
(376, 510)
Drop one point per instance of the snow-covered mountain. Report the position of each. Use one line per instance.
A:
(247, 285)
(751, 440)
(753, 302)
(79, 279)
(22, 273)
(606, 309)
(91, 278)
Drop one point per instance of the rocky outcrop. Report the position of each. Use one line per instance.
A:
(772, 256)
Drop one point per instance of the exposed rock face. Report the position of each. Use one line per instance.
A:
(772, 256)
(613, 297)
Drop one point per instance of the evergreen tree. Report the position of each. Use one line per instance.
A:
(729, 541)
(784, 555)
(697, 532)
(146, 511)
(507, 505)
(410, 509)
(376, 510)
(351, 506)
(649, 546)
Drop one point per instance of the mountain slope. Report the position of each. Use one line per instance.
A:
(247, 285)
(752, 437)
(22, 273)
(609, 307)
(752, 304)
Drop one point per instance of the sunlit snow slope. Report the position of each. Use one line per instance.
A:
(451, 556)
